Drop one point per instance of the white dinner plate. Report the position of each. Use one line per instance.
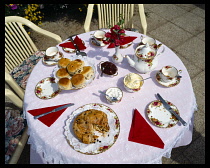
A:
(161, 117)
(47, 88)
(86, 63)
(104, 142)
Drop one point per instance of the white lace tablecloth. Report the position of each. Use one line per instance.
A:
(51, 143)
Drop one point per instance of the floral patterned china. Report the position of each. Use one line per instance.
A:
(47, 88)
(103, 143)
(174, 82)
(114, 92)
(52, 61)
(161, 117)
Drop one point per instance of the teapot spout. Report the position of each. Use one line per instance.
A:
(130, 61)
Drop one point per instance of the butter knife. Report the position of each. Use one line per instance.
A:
(54, 110)
(166, 105)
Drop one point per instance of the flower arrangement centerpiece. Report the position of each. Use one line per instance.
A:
(115, 36)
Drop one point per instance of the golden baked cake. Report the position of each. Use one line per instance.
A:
(65, 84)
(63, 62)
(62, 73)
(75, 67)
(78, 80)
(89, 121)
(87, 72)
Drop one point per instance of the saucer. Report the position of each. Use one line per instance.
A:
(94, 43)
(172, 83)
(52, 62)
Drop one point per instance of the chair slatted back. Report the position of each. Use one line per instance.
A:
(109, 14)
(18, 44)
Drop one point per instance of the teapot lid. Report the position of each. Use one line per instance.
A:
(145, 52)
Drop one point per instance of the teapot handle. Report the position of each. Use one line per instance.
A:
(161, 51)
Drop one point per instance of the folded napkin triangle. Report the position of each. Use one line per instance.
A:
(125, 40)
(77, 41)
(141, 132)
(48, 119)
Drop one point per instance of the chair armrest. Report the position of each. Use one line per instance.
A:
(33, 26)
(14, 98)
(14, 85)
(20, 146)
(88, 17)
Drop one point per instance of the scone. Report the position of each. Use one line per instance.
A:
(63, 62)
(89, 121)
(87, 72)
(78, 80)
(65, 84)
(62, 73)
(75, 67)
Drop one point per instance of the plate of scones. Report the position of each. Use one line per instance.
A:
(74, 73)
(92, 128)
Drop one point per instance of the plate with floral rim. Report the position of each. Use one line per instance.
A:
(47, 88)
(161, 117)
(51, 61)
(103, 143)
(172, 83)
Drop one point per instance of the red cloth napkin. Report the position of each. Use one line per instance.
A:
(141, 132)
(77, 41)
(49, 119)
(126, 39)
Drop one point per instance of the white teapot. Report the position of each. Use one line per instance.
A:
(145, 58)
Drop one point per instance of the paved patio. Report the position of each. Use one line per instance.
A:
(181, 27)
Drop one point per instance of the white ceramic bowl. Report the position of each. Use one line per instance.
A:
(114, 92)
(132, 82)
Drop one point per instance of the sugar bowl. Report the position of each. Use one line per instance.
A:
(114, 92)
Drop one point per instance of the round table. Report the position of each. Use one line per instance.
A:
(50, 142)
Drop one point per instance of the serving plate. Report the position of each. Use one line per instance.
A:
(161, 117)
(103, 143)
(86, 63)
(47, 88)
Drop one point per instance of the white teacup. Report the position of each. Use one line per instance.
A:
(169, 72)
(52, 53)
(99, 36)
(148, 40)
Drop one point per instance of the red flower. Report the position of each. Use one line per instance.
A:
(108, 35)
(121, 31)
(117, 27)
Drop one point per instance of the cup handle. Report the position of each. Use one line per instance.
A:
(161, 51)
(180, 71)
